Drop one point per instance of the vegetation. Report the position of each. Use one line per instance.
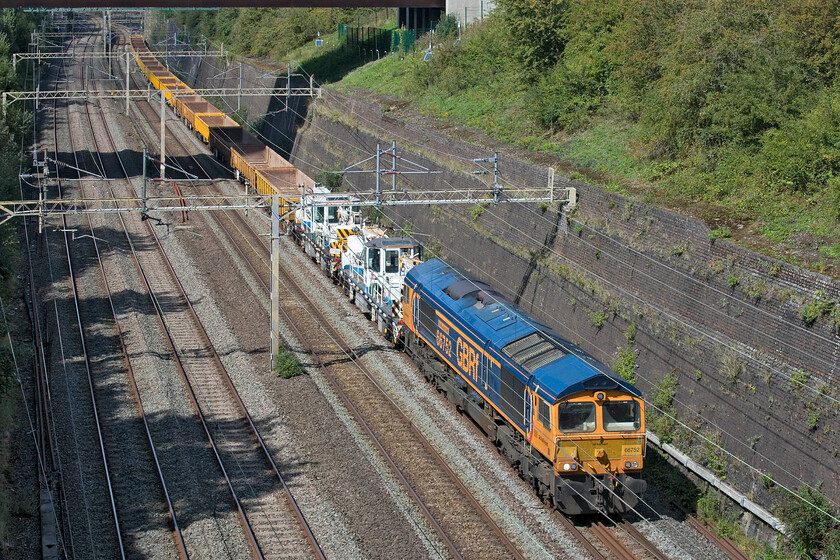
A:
(811, 529)
(15, 30)
(820, 306)
(287, 365)
(726, 110)
(660, 417)
(287, 35)
(624, 363)
(598, 318)
(330, 179)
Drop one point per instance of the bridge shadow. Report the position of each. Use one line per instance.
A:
(87, 164)
(199, 493)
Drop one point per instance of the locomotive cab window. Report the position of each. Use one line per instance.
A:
(319, 214)
(332, 214)
(622, 416)
(392, 261)
(544, 413)
(427, 316)
(373, 260)
(576, 417)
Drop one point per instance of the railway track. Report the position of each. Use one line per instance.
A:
(619, 540)
(426, 476)
(92, 507)
(268, 514)
(270, 517)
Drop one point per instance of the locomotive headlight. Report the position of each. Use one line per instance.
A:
(627, 464)
(600, 396)
(635, 464)
(566, 467)
(574, 466)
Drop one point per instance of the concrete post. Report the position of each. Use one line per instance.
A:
(275, 282)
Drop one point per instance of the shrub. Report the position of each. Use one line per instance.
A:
(476, 211)
(808, 522)
(813, 420)
(287, 365)
(720, 233)
(599, 318)
(630, 333)
(447, 28)
(331, 179)
(624, 363)
(818, 307)
(798, 378)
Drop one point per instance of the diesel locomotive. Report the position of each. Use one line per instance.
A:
(573, 428)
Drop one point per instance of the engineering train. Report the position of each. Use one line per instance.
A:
(572, 427)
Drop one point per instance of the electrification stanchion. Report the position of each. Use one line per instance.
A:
(275, 282)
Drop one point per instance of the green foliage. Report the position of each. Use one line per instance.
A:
(477, 211)
(330, 179)
(809, 525)
(665, 391)
(598, 318)
(798, 378)
(813, 420)
(661, 416)
(709, 454)
(820, 306)
(624, 363)
(447, 28)
(266, 31)
(287, 365)
(630, 333)
(536, 32)
(720, 233)
(15, 128)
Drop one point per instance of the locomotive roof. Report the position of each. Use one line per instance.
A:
(392, 242)
(557, 368)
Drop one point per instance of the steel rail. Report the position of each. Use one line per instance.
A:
(637, 536)
(578, 535)
(515, 553)
(177, 534)
(86, 359)
(241, 405)
(725, 545)
(618, 549)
